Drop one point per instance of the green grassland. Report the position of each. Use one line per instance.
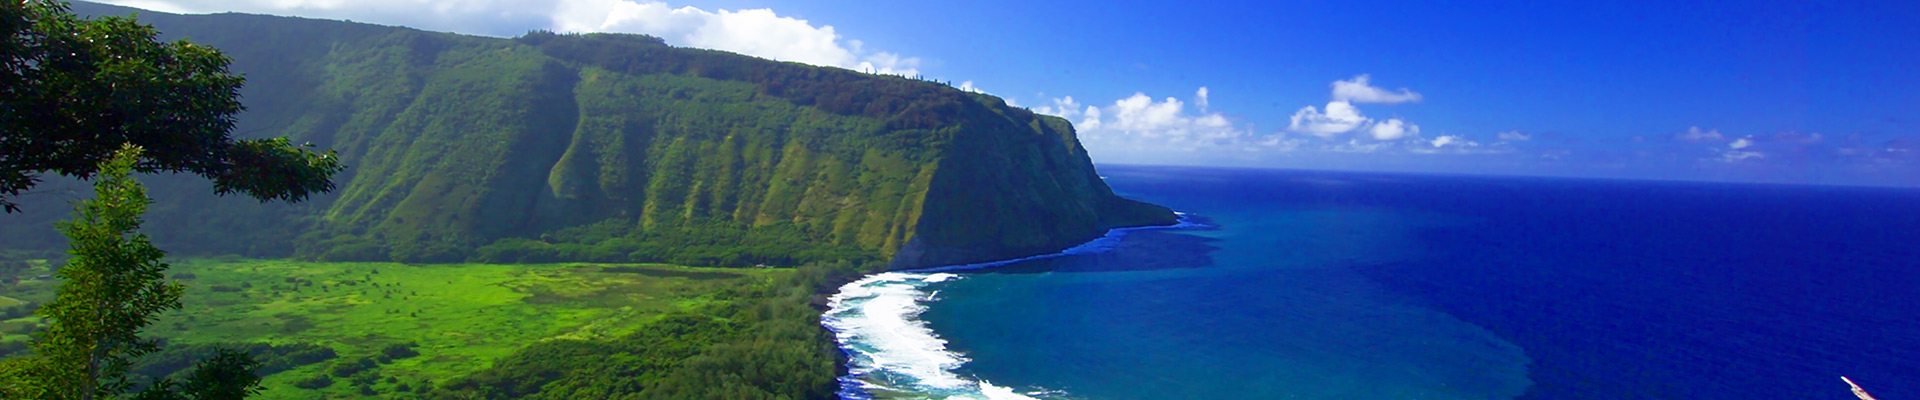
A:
(459, 318)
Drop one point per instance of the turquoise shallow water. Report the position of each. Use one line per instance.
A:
(1252, 309)
(1310, 285)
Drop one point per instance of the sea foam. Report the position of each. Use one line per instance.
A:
(889, 349)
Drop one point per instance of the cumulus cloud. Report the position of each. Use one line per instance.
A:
(1140, 115)
(1738, 150)
(757, 32)
(1064, 107)
(754, 32)
(1340, 117)
(1142, 127)
(1515, 136)
(1697, 135)
(1393, 129)
(1741, 143)
(1355, 146)
(1092, 118)
(1736, 155)
(1357, 90)
(1447, 140)
(968, 86)
(878, 63)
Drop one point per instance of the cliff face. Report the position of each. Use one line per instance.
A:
(1016, 191)
(620, 148)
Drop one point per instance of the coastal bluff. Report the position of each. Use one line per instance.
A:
(617, 148)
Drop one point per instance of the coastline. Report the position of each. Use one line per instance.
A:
(874, 320)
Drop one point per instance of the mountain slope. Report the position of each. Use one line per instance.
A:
(620, 148)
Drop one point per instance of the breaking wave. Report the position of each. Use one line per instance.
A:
(890, 350)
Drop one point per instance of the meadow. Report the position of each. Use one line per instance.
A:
(413, 325)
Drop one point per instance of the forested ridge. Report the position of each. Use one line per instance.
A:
(615, 148)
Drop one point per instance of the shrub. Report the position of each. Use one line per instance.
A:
(399, 351)
(314, 382)
(348, 368)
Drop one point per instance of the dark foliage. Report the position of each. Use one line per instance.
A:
(227, 375)
(347, 368)
(174, 359)
(398, 351)
(759, 342)
(76, 90)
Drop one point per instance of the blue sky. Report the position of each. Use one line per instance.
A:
(1795, 92)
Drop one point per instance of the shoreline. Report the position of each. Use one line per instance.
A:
(909, 350)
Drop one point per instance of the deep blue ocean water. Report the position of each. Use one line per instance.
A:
(1325, 285)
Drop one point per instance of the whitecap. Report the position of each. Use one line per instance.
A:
(875, 319)
(889, 349)
(992, 392)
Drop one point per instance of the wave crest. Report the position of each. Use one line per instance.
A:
(889, 349)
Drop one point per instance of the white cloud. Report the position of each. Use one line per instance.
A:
(1355, 146)
(968, 86)
(1141, 127)
(1457, 141)
(1697, 135)
(481, 17)
(1515, 136)
(1339, 118)
(1736, 155)
(1092, 121)
(1357, 90)
(757, 32)
(1063, 107)
(754, 32)
(879, 63)
(1392, 129)
(1200, 98)
(1738, 150)
(1139, 114)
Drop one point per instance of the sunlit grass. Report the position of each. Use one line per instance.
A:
(459, 317)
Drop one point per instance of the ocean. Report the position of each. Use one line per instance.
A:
(1331, 285)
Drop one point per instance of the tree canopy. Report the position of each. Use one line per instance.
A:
(72, 91)
(114, 287)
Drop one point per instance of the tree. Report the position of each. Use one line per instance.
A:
(114, 286)
(228, 375)
(72, 91)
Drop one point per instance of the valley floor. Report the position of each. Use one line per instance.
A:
(458, 318)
